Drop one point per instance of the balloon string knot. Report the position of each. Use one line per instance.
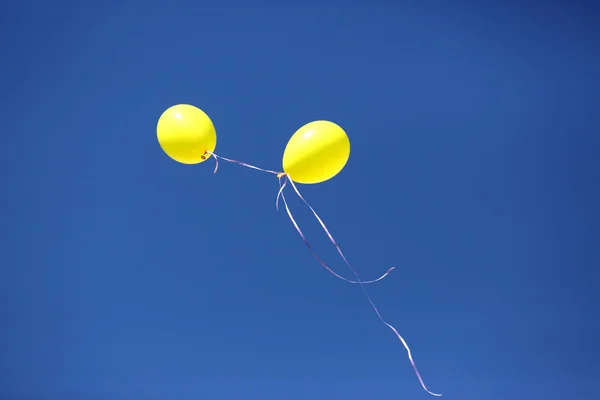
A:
(281, 175)
(206, 153)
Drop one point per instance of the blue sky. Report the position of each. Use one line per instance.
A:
(473, 169)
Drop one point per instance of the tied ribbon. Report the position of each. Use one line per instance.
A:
(281, 195)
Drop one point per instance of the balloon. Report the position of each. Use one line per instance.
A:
(317, 152)
(186, 133)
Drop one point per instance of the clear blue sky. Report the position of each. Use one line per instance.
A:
(474, 170)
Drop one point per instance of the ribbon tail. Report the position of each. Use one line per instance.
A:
(412, 362)
(287, 208)
(330, 236)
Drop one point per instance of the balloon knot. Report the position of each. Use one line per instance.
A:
(281, 175)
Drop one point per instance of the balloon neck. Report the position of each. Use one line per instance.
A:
(206, 155)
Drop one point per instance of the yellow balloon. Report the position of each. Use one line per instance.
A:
(318, 151)
(185, 133)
